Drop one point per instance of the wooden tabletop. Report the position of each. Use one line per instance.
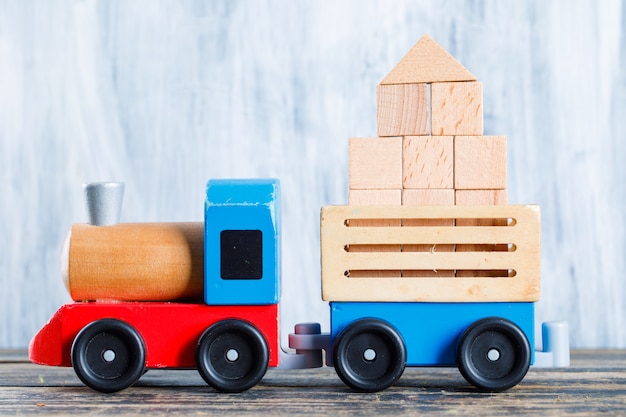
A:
(595, 383)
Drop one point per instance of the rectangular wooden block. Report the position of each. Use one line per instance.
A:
(481, 198)
(427, 162)
(429, 197)
(340, 284)
(375, 163)
(479, 162)
(457, 108)
(402, 109)
(375, 198)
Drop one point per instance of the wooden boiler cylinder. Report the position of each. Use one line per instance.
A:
(135, 262)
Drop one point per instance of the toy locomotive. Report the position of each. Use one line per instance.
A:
(228, 326)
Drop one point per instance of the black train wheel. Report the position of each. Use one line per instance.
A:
(232, 356)
(369, 355)
(493, 354)
(108, 355)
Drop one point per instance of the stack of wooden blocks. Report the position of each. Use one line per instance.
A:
(430, 148)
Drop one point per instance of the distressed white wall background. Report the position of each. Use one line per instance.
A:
(164, 95)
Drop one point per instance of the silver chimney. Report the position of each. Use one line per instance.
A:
(104, 202)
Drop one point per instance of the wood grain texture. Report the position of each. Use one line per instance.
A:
(456, 108)
(522, 284)
(136, 262)
(594, 384)
(375, 198)
(427, 62)
(430, 197)
(402, 109)
(375, 163)
(165, 95)
(480, 162)
(427, 162)
(480, 198)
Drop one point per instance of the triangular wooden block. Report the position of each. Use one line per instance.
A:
(427, 62)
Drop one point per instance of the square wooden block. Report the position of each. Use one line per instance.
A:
(479, 162)
(375, 163)
(402, 109)
(427, 162)
(457, 108)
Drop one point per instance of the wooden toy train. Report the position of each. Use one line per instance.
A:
(426, 266)
(206, 296)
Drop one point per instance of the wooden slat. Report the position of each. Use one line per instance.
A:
(526, 212)
(427, 197)
(431, 260)
(379, 198)
(432, 234)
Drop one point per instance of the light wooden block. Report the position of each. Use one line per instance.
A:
(427, 62)
(375, 163)
(338, 284)
(481, 198)
(457, 108)
(427, 198)
(402, 109)
(375, 198)
(427, 162)
(479, 162)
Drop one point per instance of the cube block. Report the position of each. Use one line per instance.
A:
(402, 109)
(479, 162)
(375, 163)
(457, 108)
(427, 162)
